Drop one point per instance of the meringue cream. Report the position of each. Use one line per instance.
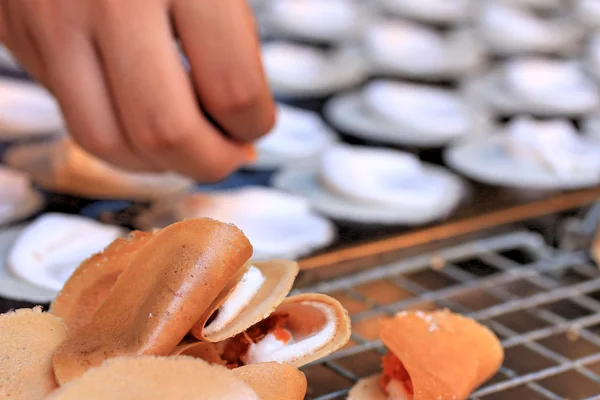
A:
(280, 225)
(421, 108)
(560, 84)
(271, 348)
(291, 62)
(381, 177)
(554, 146)
(330, 20)
(241, 295)
(433, 11)
(297, 134)
(52, 246)
(15, 186)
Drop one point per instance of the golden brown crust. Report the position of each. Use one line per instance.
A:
(446, 355)
(155, 302)
(202, 350)
(91, 282)
(274, 381)
(156, 378)
(28, 341)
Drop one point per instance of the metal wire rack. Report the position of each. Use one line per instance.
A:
(543, 303)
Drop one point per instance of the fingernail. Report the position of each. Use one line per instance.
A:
(250, 152)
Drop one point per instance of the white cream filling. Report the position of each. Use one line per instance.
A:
(297, 133)
(554, 146)
(275, 350)
(278, 224)
(331, 18)
(14, 188)
(293, 63)
(53, 246)
(406, 44)
(397, 391)
(381, 176)
(550, 82)
(422, 107)
(238, 300)
(514, 23)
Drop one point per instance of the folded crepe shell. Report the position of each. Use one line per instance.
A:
(368, 389)
(445, 355)
(277, 280)
(90, 284)
(311, 326)
(63, 167)
(156, 301)
(273, 381)
(149, 378)
(29, 339)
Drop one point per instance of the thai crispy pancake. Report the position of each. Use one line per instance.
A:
(156, 378)
(274, 381)
(88, 287)
(156, 301)
(28, 341)
(433, 355)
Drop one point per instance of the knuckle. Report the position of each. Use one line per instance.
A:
(239, 97)
(163, 133)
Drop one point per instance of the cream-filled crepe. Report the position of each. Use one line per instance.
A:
(27, 110)
(166, 287)
(532, 154)
(375, 185)
(588, 12)
(510, 29)
(318, 20)
(554, 146)
(299, 136)
(540, 86)
(432, 355)
(296, 70)
(302, 329)
(431, 11)
(18, 199)
(280, 225)
(406, 113)
(29, 339)
(63, 167)
(149, 378)
(409, 49)
(52, 247)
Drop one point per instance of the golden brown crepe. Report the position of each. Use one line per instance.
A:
(28, 340)
(155, 302)
(88, 287)
(274, 381)
(302, 329)
(63, 167)
(156, 378)
(432, 355)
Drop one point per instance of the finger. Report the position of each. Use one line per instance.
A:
(77, 79)
(154, 95)
(221, 43)
(19, 38)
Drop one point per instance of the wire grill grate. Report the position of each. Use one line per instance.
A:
(543, 303)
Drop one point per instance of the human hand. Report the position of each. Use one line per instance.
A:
(115, 69)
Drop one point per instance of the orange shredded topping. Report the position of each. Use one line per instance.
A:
(393, 369)
(237, 346)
